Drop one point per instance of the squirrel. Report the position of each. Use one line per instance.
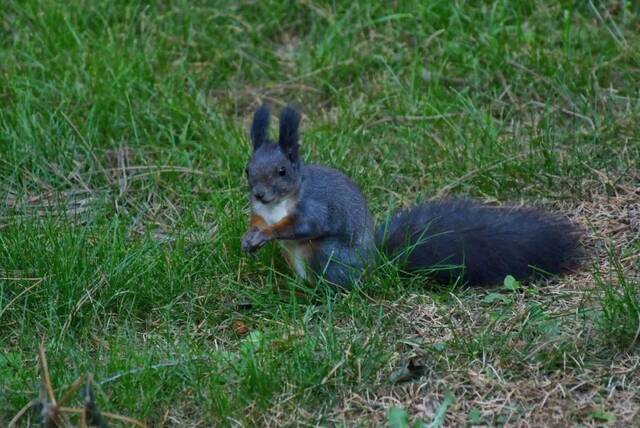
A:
(322, 219)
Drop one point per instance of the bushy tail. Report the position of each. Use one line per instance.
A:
(478, 243)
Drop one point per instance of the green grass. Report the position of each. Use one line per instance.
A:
(620, 319)
(122, 150)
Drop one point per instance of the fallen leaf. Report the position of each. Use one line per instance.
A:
(240, 328)
(510, 283)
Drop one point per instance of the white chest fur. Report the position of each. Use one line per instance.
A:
(297, 251)
(272, 213)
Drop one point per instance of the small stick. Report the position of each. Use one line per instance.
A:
(132, 421)
(73, 388)
(44, 369)
(64, 409)
(54, 413)
(124, 419)
(22, 411)
(83, 420)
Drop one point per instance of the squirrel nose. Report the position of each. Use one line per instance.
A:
(259, 194)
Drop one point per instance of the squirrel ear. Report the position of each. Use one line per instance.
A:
(260, 126)
(288, 140)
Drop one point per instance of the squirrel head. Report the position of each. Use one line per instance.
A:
(273, 171)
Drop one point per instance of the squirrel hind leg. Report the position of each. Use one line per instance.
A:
(339, 265)
(298, 256)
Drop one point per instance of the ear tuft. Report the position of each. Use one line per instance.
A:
(288, 139)
(260, 126)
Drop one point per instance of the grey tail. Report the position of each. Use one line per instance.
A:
(479, 244)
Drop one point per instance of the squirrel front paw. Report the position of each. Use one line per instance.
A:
(253, 240)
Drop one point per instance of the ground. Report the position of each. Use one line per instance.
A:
(122, 149)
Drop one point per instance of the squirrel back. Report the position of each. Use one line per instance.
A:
(479, 243)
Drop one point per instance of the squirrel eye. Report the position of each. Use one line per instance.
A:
(282, 171)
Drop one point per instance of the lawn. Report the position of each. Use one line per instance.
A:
(123, 138)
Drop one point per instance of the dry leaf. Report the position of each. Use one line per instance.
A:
(240, 328)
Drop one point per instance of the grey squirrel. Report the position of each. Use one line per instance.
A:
(322, 219)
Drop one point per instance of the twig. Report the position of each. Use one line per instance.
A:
(54, 414)
(22, 411)
(124, 419)
(80, 411)
(77, 410)
(44, 373)
(73, 388)
(83, 420)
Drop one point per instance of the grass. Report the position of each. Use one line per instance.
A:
(122, 149)
(620, 306)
